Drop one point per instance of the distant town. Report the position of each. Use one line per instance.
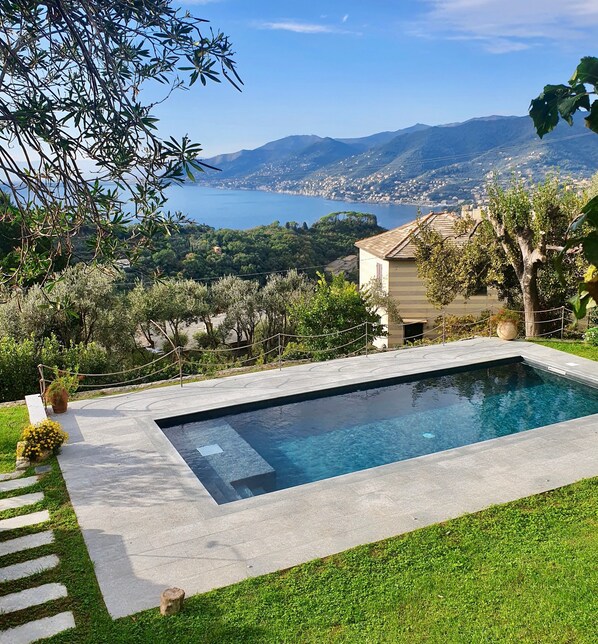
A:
(443, 165)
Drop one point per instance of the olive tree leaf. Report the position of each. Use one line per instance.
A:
(73, 106)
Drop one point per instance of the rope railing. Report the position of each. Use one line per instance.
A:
(232, 349)
(342, 346)
(449, 330)
(127, 382)
(541, 335)
(108, 373)
(231, 364)
(327, 335)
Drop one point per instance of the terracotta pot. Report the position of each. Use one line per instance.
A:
(59, 401)
(506, 330)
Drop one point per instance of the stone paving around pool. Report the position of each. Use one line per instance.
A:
(149, 523)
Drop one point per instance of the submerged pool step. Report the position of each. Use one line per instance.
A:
(235, 461)
(227, 464)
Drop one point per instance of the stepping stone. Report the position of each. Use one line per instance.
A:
(28, 568)
(31, 597)
(10, 475)
(17, 484)
(16, 502)
(42, 469)
(26, 543)
(24, 520)
(39, 629)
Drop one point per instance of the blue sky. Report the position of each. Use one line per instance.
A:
(347, 68)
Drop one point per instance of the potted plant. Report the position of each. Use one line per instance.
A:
(60, 389)
(506, 324)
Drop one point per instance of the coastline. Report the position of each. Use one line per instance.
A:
(239, 209)
(296, 193)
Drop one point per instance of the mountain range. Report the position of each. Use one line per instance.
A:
(419, 164)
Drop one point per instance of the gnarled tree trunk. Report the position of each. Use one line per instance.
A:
(525, 258)
(531, 299)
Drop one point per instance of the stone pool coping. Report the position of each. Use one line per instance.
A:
(149, 523)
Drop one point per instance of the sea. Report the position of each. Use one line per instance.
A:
(242, 209)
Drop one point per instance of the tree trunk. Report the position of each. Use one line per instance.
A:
(209, 329)
(147, 334)
(531, 300)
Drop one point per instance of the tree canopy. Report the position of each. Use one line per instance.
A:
(200, 252)
(563, 101)
(509, 249)
(80, 147)
(336, 320)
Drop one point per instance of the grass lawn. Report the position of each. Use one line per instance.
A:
(12, 421)
(522, 572)
(576, 347)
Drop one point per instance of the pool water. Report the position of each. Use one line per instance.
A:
(300, 442)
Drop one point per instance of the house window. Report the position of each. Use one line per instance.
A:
(378, 271)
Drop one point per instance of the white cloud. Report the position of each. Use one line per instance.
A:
(296, 27)
(302, 27)
(502, 26)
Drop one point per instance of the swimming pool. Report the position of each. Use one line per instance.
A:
(257, 448)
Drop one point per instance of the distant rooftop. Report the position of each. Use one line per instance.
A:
(343, 265)
(398, 243)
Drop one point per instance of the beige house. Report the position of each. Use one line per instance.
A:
(390, 258)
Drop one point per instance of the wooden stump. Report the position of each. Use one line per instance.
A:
(171, 601)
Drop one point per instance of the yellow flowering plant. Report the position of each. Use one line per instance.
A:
(44, 436)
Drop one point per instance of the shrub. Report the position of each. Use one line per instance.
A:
(44, 436)
(333, 322)
(295, 351)
(90, 358)
(591, 336)
(180, 339)
(17, 368)
(203, 340)
(506, 315)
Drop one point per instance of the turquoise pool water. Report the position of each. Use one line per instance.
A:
(286, 445)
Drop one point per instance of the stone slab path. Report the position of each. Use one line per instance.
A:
(28, 568)
(10, 475)
(17, 484)
(34, 630)
(16, 502)
(26, 543)
(31, 597)
(24, 520)
(38, 629)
